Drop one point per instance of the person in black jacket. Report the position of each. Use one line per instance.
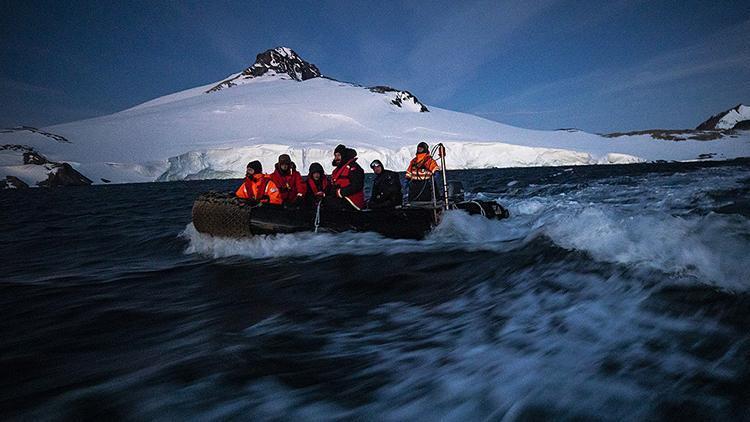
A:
(386, 188)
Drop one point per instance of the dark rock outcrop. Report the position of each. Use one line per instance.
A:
(285, 61)
(64, 175)
(58, 174)
(280, 60)
(12, 182)
(33, 157)
(54, 136)
(400, 97)
(712, 121)
(675, 134)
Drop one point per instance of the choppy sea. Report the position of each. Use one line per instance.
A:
(612, 293)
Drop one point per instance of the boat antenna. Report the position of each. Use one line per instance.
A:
(441, 154)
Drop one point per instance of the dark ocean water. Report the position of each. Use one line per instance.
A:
(612, 292)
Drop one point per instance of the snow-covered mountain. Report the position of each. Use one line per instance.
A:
(282, 104)
(729, 119)
(278, 62)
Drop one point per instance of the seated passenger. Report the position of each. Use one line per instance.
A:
(386, 188)
(317, 185)
(258, 186)
(289, 181)
(348, 181)
(419, 174)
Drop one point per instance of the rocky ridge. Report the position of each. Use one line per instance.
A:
(276, 61)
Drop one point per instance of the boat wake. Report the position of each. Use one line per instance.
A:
(457, 231)
(665, 223)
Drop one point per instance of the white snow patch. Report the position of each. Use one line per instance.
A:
(733, 117)
(31, 174)
(196, 135)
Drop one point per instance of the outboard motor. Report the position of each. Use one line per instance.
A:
(455, 191)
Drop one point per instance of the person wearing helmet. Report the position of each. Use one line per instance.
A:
(419, 174)
(289, 181)
(386, 188)
(258, 186)
(318, 186)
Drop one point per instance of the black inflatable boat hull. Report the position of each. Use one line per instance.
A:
(227, 216)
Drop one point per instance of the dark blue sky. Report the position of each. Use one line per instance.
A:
(599, 66)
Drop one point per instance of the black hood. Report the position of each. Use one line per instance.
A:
(255, 165)
(316, 168)
(348, 154)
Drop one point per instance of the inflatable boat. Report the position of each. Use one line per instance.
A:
(223, 214)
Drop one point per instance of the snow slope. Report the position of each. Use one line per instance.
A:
(734, 116)
(198, 134)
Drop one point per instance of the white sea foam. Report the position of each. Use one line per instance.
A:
(490, 357)
(457, 231)
(651, 223)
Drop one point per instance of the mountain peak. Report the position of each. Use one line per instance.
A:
(729, 119)
(280, 61)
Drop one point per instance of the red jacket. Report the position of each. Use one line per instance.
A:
(290, 185)
(312, 187)
(317, 191)
(349, 179)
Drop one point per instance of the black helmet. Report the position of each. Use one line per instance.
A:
(376, 163)
(256, 166)
(424, 146)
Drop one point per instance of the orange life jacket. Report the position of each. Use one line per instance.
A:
(421, 167)
(340, 179)
(260, 188)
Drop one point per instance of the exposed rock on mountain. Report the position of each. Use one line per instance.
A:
(63, 174)
(278, 61)
(12, 182)
(674, 134)
(50, 135)
(716, 127)
(29, 164)
(404, 99)
(729, 119)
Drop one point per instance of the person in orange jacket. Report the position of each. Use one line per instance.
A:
(419, 174)
(258, 186)
(289, 181)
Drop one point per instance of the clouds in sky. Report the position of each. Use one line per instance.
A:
(718, 65)
(609, 65)
(455, 46)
